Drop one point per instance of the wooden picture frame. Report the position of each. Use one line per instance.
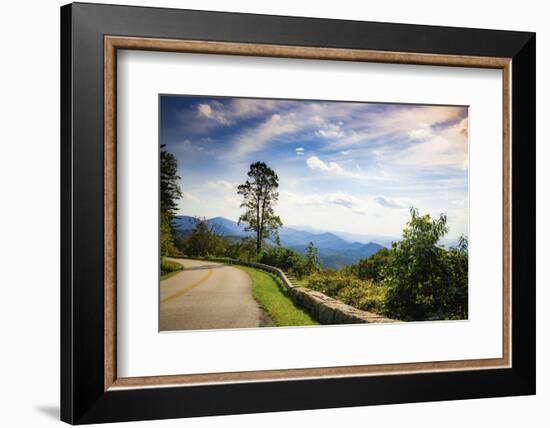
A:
(91, 390)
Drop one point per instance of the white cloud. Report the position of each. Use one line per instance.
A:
(256, 138)
(300, 151)
(364, 126)
(388, 202)
(204, 110)
(330, 131)
(232, 201)
(420, 133)
(246, 107)
(214, 111)
(231, 111)
(187, 145)
(189, 196)
(220, 184)
(326, 201)
(446, 148)
(317, 164)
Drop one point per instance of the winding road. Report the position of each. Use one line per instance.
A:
(208, 295)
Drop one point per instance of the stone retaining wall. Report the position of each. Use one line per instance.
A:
(327, 310)
(322, 308)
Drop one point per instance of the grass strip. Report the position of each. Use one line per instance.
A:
(270, 294)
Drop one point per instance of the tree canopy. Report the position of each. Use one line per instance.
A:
(259, 193)
(426, 281)
(203, 240)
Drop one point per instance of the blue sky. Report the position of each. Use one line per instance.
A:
(351, 167)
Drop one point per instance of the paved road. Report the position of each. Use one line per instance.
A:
(207, 295)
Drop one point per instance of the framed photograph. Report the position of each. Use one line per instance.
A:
(266, 213)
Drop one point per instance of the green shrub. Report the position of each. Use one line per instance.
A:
(166, 236)
(168, 266)
(361, 294)
(244, 249)
(285, 259)
(424, 280)
(203, 241)
(371, 267)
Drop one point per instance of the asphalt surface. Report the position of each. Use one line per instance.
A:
(208, 295)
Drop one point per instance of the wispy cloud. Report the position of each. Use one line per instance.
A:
(220, 184)
(330, 130)
(388, 202)
(447, 147)
(344, 162)
(235, 109)
(325, 200)
(188, 196)
(187, 145)
(255, 139)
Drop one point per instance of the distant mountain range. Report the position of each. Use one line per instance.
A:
(334, 251)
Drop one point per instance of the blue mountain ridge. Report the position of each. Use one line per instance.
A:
(334, 252)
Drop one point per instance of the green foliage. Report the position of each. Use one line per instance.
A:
(424, 280)
(168, 268)
(371, 267)
(272, 297)
(260, 194)
(203, 241)
(312, 260)
(285, 259)
(361, 294)
(245, 250)
(417, 279)
(170, 192)
(167, 246)
(289, 260)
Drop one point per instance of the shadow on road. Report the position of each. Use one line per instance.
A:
(203, 267)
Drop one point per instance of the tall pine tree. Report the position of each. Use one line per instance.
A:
(170, 192)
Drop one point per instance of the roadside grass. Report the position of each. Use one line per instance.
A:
(168, 268)
(268, 291)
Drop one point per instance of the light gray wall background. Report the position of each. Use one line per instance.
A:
(29, 213)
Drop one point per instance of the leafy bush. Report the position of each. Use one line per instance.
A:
(244, 250)
(285, 259)
(203, 241)
(167, 246)
(371, 267)
(361, 294)
(424, 280)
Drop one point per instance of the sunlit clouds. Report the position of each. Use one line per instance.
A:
(354, 167)
(332, 167)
